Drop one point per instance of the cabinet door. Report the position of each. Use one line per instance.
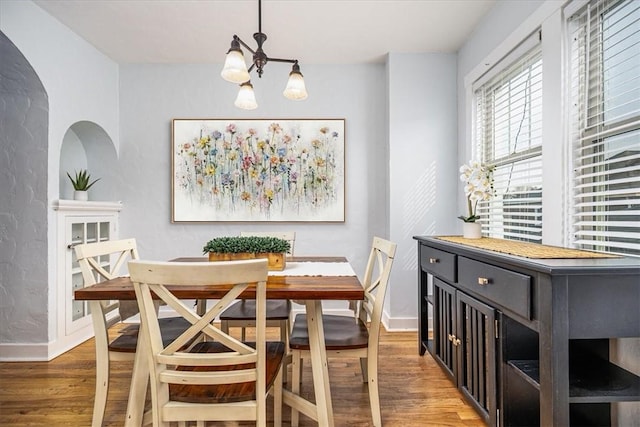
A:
(476, 368)
(444, 319)
(79, 230)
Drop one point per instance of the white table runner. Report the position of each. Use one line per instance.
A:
(315, 269)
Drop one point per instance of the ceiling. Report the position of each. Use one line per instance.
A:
(312, 31)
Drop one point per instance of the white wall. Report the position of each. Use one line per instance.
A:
(423, 173)
(153, 95)
(82, 84)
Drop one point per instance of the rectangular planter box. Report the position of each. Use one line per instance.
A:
(276, 262)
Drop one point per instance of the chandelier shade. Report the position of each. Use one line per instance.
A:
(246, 97)
(295, 89)
(235, 69)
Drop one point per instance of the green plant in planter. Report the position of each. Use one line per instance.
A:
(246, 244)
(81, 181)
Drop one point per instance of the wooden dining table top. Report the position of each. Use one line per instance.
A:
(278, 287)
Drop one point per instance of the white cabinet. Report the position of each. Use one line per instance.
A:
(79, 230)
(78, 223)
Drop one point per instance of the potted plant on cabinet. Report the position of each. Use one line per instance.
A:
(248, 247)
(81, 184)
(478, 179)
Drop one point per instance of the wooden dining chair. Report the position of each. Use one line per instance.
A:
(242, 313)
(217, 377)
(104, 261)
(348, 337)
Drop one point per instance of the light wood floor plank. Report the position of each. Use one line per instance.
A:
(414, 391)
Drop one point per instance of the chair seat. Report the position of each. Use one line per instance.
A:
(340, 333)
(227, 393)
(246, 310)
(170, 328)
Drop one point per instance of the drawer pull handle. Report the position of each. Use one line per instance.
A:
(454, 340)
(483, 281)
(433, 260)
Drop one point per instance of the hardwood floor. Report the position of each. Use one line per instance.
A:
(413, 390)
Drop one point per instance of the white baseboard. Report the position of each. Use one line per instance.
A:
(41, 352)
(24, 352)
(399, 324)
(396, 324)
(332, 311)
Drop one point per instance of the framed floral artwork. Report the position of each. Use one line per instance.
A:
(257, 170)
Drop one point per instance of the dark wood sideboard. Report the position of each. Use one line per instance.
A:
(526, 340)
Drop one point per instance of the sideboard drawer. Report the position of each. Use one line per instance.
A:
(510, 289)
(439, 263)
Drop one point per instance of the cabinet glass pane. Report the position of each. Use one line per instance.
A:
(104, 231)
(92, 232)
(76, 281)
(78, 308)
(77, 233)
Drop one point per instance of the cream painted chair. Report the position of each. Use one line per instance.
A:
(242, 313)
(218, 377)
(104, 261)
(345, 336)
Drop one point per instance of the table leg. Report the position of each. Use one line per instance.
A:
(319, 365)
(139, 382)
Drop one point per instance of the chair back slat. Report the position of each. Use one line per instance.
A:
(211, 359)
(208, 378)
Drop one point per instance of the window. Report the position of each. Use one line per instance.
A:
(508, 136)
(605, 135)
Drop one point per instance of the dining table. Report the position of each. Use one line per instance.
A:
(305, 280)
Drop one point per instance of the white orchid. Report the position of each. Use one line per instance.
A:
(478, 179)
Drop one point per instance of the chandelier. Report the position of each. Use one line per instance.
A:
(235, 69)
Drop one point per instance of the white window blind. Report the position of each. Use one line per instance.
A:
(605, 85)
(508, 134)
